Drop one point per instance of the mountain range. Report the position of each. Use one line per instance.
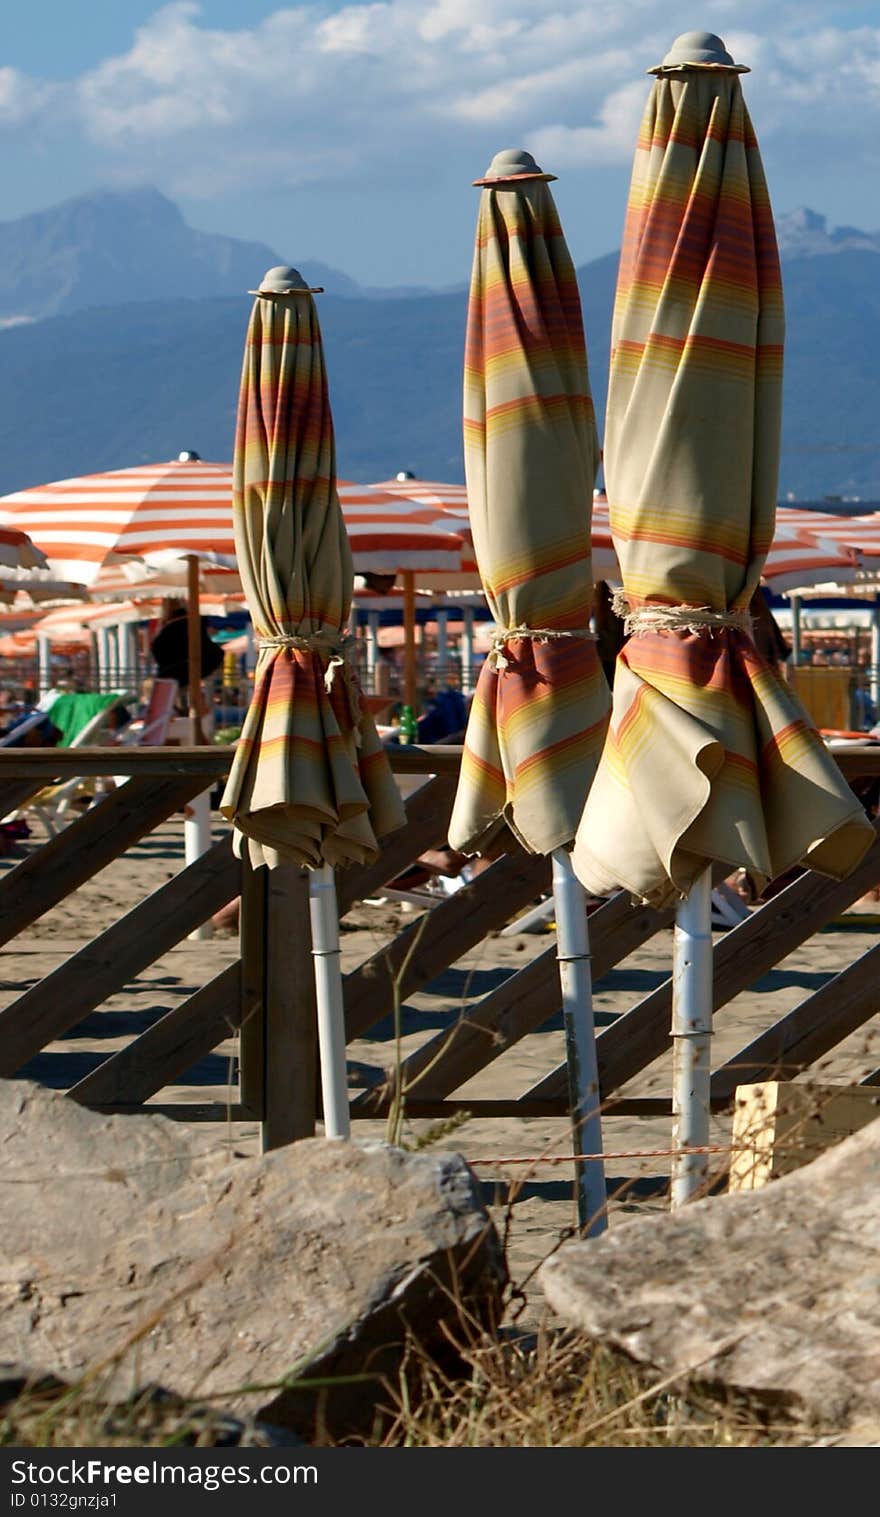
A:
(124, 333)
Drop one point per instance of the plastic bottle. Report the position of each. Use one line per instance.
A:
(409, 727)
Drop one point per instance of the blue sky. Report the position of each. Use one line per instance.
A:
(351, 132)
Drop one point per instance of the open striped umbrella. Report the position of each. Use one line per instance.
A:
(708, 756)
(18, 550)
(540, 708)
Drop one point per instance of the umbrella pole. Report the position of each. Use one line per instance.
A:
(691, 1039)
(194, 651)
(573, 955)
(409, 639)
(795, 629)
(324, 916)
(874, 672)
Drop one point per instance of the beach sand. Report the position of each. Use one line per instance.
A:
(545, 1208)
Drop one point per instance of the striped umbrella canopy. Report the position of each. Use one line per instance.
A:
(797, 558)
(159, 513)
(708, 755)
(155, 512)
(310, 780)
(539, 712)
(18, 550)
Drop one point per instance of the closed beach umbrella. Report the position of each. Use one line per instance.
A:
(540, 708)
(310, 781)
(708, 756)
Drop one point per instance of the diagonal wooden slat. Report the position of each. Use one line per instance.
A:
(748, 951)
(84, 848)
(15, 793)
(517, 1007)
(441, 936)
(428, 811)
(810, 1030)
(116, 957)
(170, 1047)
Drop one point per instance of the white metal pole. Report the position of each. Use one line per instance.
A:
(129, 671)
(372, 648)
(113, 656)
(467, 649)
(874, 675)
(442, 647)
(44, 674)
(196, 841)
(324, 916)
(573, 954)
(691, 1039)
(104, 680)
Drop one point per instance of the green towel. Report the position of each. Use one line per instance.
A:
(71, 712)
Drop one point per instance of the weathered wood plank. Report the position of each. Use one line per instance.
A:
(745, 953)
(112, 960)
(252, 937)
(517, 1007)
(436, 758)
(427, 818)
(441, 936)
(170, 1047)
(818, 1024)
(778, 1126)
(50, 764)
(84, 848)
(291, 1025)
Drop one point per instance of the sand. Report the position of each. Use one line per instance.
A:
(544, 1210)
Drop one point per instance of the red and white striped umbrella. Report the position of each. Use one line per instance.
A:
(18, 550)
(858, 535)
(390, 532)
(155, 512)
(160, 513)
(798, 559)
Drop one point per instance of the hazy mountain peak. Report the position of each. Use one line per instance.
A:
(113, 246)
(804, 233)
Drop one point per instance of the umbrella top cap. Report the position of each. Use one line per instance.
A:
(698, 50)
(511, 165)
(283, 280)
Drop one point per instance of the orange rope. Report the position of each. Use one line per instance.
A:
(625, 1153)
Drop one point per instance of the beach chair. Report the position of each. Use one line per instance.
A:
(151, 729)
(53, 805)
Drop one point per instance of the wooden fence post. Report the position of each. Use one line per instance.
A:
(279, 1040)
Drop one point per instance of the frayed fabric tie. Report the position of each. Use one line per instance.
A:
(335, 647)
(498, 659)
(638, 619)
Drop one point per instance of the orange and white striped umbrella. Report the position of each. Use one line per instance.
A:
(708, 756)
(159, 513)
(539, 712)
(310, 781)
(18, 550)
(155, 512)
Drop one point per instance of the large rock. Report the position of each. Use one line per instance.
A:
(133, 1245)
(774, 1292)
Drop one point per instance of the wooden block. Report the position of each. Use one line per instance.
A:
(779, 1126)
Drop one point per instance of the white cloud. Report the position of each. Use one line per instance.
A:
(372, 91)
(22, 99)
